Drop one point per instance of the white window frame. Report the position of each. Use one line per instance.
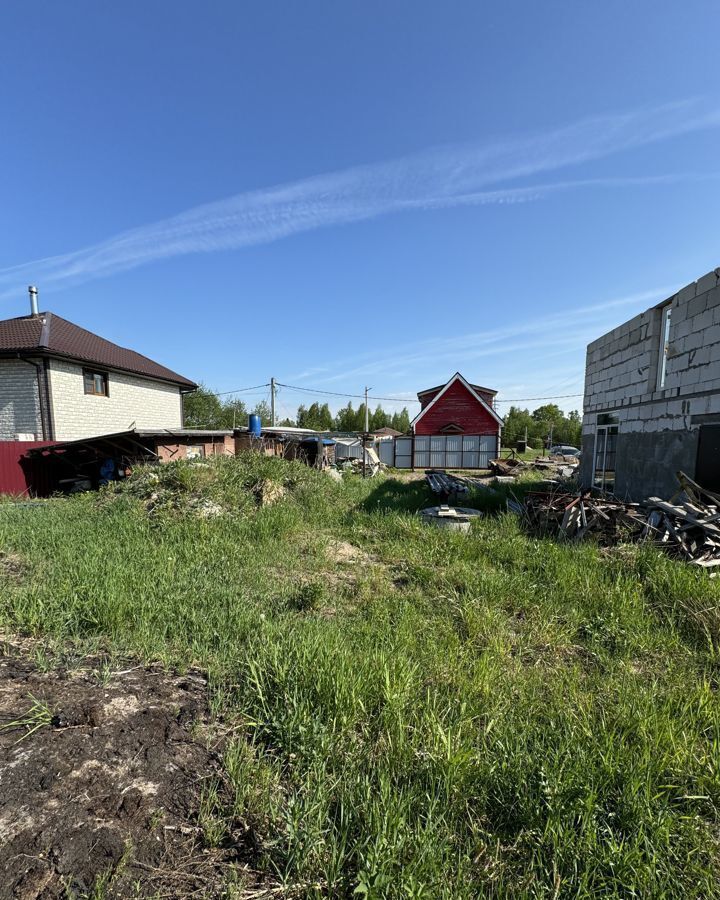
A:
(665, 314)
(602, 432)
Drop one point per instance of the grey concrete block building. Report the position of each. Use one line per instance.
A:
(652, 397)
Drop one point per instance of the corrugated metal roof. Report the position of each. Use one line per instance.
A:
(51, 335)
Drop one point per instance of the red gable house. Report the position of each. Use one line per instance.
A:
(457, 426)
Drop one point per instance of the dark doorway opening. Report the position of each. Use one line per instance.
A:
(707, 470)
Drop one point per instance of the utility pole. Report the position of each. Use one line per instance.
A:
(365, 434)
(272, 402)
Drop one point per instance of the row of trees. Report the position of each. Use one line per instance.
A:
(349, 419)
(538, 425)
(205, 409)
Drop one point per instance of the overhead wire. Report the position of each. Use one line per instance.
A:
(294, 387)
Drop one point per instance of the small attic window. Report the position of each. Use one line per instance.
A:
(664, 341)
(452, 428)
(95, 383)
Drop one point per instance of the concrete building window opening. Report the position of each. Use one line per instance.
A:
(605, 453)
(664, 342)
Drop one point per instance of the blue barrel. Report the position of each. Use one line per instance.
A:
(254, 425)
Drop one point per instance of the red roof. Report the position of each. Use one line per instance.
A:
(476, 387)
(457, 407)
(49, 335)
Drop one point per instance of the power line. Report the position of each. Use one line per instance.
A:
(294, 387)
(532, 399)
(304, 390)
(255, 387)
(406, 400)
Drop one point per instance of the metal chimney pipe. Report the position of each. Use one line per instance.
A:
(33, 291)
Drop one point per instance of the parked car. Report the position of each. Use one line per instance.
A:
(564, 450)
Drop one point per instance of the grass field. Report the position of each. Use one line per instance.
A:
(416, 713)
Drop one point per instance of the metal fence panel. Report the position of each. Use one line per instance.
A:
(403, 453)
(386, 452)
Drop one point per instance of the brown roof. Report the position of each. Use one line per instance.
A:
(51, 335)
(475, 387)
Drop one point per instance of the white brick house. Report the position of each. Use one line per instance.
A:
(61, 382)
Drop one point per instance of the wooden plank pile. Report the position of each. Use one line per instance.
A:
(577, 516)
(687, 525)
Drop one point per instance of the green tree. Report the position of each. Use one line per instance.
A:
(516, 422)
(262, 409)
(202, 409)
(316, 416)
(345, 419)
(234, 414)
(401, 421)
(379, 418)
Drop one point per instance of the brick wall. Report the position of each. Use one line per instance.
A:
(217, 446)
(19, 401)
(657, 428)
(457, 406)
(146, 403)
(621, 374)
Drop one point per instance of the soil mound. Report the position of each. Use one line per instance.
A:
(101, 784)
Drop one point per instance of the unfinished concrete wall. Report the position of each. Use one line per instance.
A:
(657, 426)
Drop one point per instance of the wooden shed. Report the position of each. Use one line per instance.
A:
(457, 428)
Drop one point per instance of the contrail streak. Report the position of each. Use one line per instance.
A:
(471, 174)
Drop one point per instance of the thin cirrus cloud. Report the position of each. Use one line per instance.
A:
(470, 174)
(561, 337)
(570, 330)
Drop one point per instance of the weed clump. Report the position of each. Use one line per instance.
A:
(218, 486)
(308, 597)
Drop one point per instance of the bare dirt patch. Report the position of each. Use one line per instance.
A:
(344, 552)
(107, 789)
(12, 566)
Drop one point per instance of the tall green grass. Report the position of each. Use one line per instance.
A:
(445, 715)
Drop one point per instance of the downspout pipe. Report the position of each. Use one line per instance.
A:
(43, 395)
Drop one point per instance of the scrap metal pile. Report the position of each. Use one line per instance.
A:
(447, 487)
(552, 466)
(687, 525)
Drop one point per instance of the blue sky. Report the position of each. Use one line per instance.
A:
(346, 194)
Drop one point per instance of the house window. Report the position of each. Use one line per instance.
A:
(95, 383)
(605, 452)
(664, 341)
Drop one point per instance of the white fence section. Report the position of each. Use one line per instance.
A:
(351, 448)
(445, 451)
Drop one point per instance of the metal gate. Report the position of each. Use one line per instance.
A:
(403, 453)
(446, 451)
